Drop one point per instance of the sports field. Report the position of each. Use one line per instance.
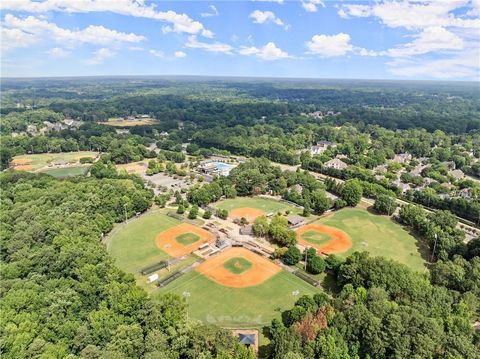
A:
(67, 172)
(120, 122)
(253, 306)
(183, 239)
(38, 161)
(252, 207)
(133, 244)
(376, 234)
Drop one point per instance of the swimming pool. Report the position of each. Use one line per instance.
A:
(223, 166)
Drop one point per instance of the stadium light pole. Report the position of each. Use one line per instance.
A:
(434, 247)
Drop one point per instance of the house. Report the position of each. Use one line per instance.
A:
(464, 193)
(457, 174)
(32, 130)
(122, 131)
(321, 146)
(403, 186)
(246, 230)
(296, 188)
(164, 133)
(70, 122)
(336, 163)
(402, 158)
(380, 169)
(294, 220)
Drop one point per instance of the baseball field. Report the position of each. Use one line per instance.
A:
(354, 229)
(36, 162)
(253, 207)
(238, 288)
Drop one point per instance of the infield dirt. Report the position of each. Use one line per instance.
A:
(167, 240)
(261, 269)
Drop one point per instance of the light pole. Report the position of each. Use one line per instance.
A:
(186, 295)
(434, 247)
(125, 210)
(305, 264)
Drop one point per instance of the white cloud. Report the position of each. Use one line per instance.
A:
(330, 45)
(210, 14)
(269, 52)
(432, 39)
(212, 47)
(413, 14)
(137, 8)
(156, 53)
(35, 29)
(15, 38)
(100, 55)
(465, 65)
(58, 53)
(262, 17)
(179, 54)
(311, 5)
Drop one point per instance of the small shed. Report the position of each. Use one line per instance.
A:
(294, 220)
(246, 230)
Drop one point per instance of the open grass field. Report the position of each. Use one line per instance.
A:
(139, 167)
(133, 245)
(250, 307)
(264, 204)
(378, 235)
(67, 171)
(37, 161)
(120, 122)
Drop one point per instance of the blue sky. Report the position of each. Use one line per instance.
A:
(404, 39)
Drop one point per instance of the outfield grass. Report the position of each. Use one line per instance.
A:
(250, 307)
(67, 172)
(187, 238)
(237, 265)
(378, 235)
(265, 204)
(132, 245)
(37, 161)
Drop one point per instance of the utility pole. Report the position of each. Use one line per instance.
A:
(434, 247)
(125, 210)
(305, 265)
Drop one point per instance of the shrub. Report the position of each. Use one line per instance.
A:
(292, 256)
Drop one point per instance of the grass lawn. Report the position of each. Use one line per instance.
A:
(37, 161)
(187, 238)
(237, 265)
(265, 204)
(315, 237)
(132, 245)
(251, 307)
(378, 235)
(67, 172)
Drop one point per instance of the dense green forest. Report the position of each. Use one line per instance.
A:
(62, 296)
